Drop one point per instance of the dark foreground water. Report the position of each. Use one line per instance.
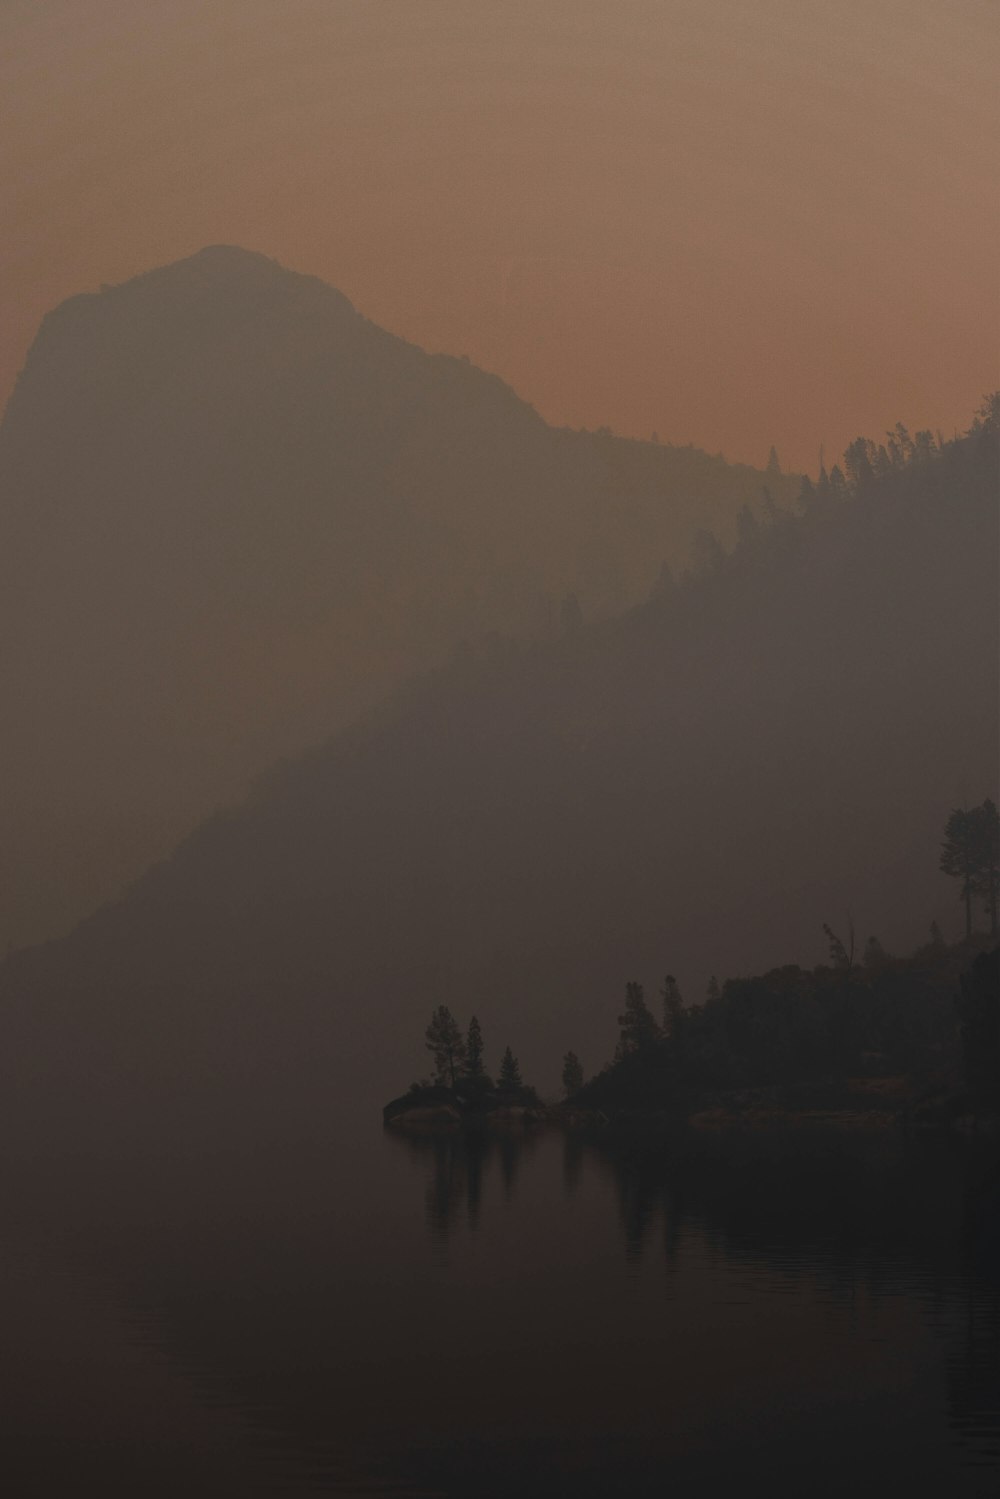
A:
(383, 1316)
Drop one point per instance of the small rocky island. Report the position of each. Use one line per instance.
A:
(462, 1094)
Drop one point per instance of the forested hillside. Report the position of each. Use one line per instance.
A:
(769, 743)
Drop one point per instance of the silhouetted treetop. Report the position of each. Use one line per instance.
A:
(638, 1027)
(445, 1043)
(971, 854)
(572, 1074)
(510, 1071)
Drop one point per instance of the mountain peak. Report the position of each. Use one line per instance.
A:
(233, 254)
(229, 497)
(227, 261)
(232, 266)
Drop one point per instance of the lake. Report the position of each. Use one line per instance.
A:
(533, 1316)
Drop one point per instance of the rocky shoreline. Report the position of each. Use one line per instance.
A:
(441, 1108)
(861, 1105)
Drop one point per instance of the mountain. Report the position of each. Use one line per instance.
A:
(234, 513)
(695, 786)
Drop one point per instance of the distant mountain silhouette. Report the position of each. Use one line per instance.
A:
(693, 787)
(233, 512)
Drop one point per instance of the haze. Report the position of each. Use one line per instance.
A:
(499, 845)
(730, 224)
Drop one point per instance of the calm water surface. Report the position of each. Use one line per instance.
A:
(413, 1317)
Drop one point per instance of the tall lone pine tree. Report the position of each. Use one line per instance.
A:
(510, 1071)
(971, 854)
(639, 1030)
(444, 1042)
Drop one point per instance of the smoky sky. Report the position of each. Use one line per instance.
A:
(733, 224)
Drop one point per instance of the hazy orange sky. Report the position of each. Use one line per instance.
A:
(735, 222)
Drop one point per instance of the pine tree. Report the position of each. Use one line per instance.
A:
(859, 463)
(510, 1071)
(673, 1005)
(474, 1049)
(900, 446)
(770, 511)
(959, 857)
(971, 854)
(924, 448)
(572, 1074)
(444, 1042)
(638, 1028)
(713, 993)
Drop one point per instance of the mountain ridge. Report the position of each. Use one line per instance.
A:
(234, 512)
